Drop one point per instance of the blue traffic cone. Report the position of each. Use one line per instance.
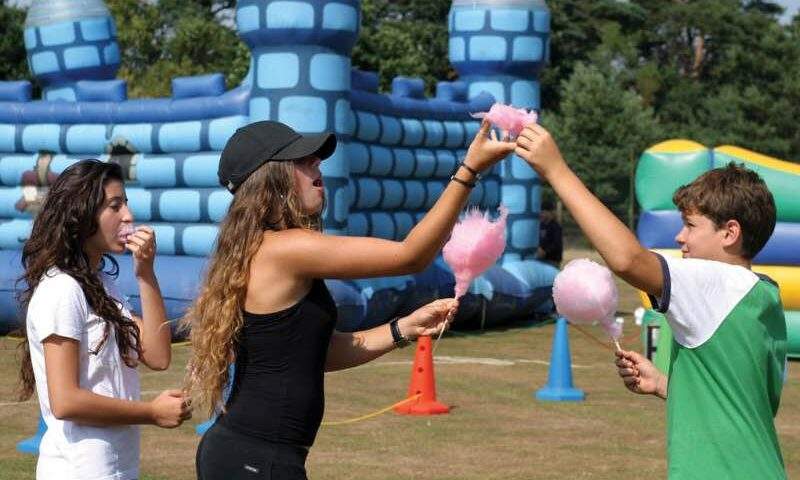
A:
(31, 445)
(201, 428)
(559, 386)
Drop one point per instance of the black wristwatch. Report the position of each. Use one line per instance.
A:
(399, 340)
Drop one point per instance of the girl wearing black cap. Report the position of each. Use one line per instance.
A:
(264, 305)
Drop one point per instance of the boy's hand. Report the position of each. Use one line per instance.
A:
(536, 146)
(486, 150)
(640, 375)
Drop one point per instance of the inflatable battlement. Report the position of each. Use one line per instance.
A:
(407, 98)
(106, 101)
(102, 105)
(396, 151)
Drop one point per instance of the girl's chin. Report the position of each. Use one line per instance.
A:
(313, 209)
(312, 212)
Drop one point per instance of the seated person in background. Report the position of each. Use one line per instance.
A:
(551, 245)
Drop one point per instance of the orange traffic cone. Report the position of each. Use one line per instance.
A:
(423, 385)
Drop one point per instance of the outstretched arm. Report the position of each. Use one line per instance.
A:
(349, 350)
(314, 255)
(620, 249)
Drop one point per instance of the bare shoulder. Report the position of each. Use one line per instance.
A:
(293, 235)
(288, 250)
(273, 281)
(277, 245)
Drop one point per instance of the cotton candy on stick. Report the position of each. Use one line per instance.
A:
(585, 292)
(125, 231)
(475, 245)
(508, 118)
(614, 330)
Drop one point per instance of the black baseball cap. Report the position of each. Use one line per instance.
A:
(253, 145)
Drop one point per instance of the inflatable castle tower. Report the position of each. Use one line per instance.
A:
(496, 48)
(68, 41)
(396, 151)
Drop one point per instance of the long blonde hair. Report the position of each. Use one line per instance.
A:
(267, 200)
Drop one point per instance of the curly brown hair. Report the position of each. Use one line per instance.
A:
(265, 201)
(733, 192)
(69, 217)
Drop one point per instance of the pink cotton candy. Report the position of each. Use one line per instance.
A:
(585, 292)
(508, 118)
(475, 245)
(613, 328)
(125, 230)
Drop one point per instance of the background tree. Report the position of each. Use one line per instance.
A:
(576, 31)
(15, 64)
(404, 37)
(718, 72)
(172, 38)
(602, 128)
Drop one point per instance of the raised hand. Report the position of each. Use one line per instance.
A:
(429, 319)
(486, 149)
(536, 146)
(640, 375)
(142, 244)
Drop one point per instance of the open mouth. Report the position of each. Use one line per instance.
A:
(318, 183)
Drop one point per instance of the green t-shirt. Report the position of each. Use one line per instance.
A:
(726, 371)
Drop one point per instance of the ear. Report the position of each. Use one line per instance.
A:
(732, 233)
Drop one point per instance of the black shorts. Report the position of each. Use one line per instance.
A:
(224, 454)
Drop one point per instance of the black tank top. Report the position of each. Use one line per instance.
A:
(278, 390)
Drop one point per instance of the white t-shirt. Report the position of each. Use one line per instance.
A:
(699, 294)
(70, 450)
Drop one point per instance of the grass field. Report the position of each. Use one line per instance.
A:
(496, 430)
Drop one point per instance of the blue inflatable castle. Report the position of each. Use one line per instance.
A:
(395, 154)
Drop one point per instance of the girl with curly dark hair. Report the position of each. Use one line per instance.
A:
(82, 344)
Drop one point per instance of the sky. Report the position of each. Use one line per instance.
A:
(791, 7)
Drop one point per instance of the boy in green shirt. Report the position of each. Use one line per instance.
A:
(729, 347)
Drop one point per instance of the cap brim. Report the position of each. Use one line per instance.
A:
(322, 146)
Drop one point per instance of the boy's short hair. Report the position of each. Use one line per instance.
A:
(547, 206)
(733, 192)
